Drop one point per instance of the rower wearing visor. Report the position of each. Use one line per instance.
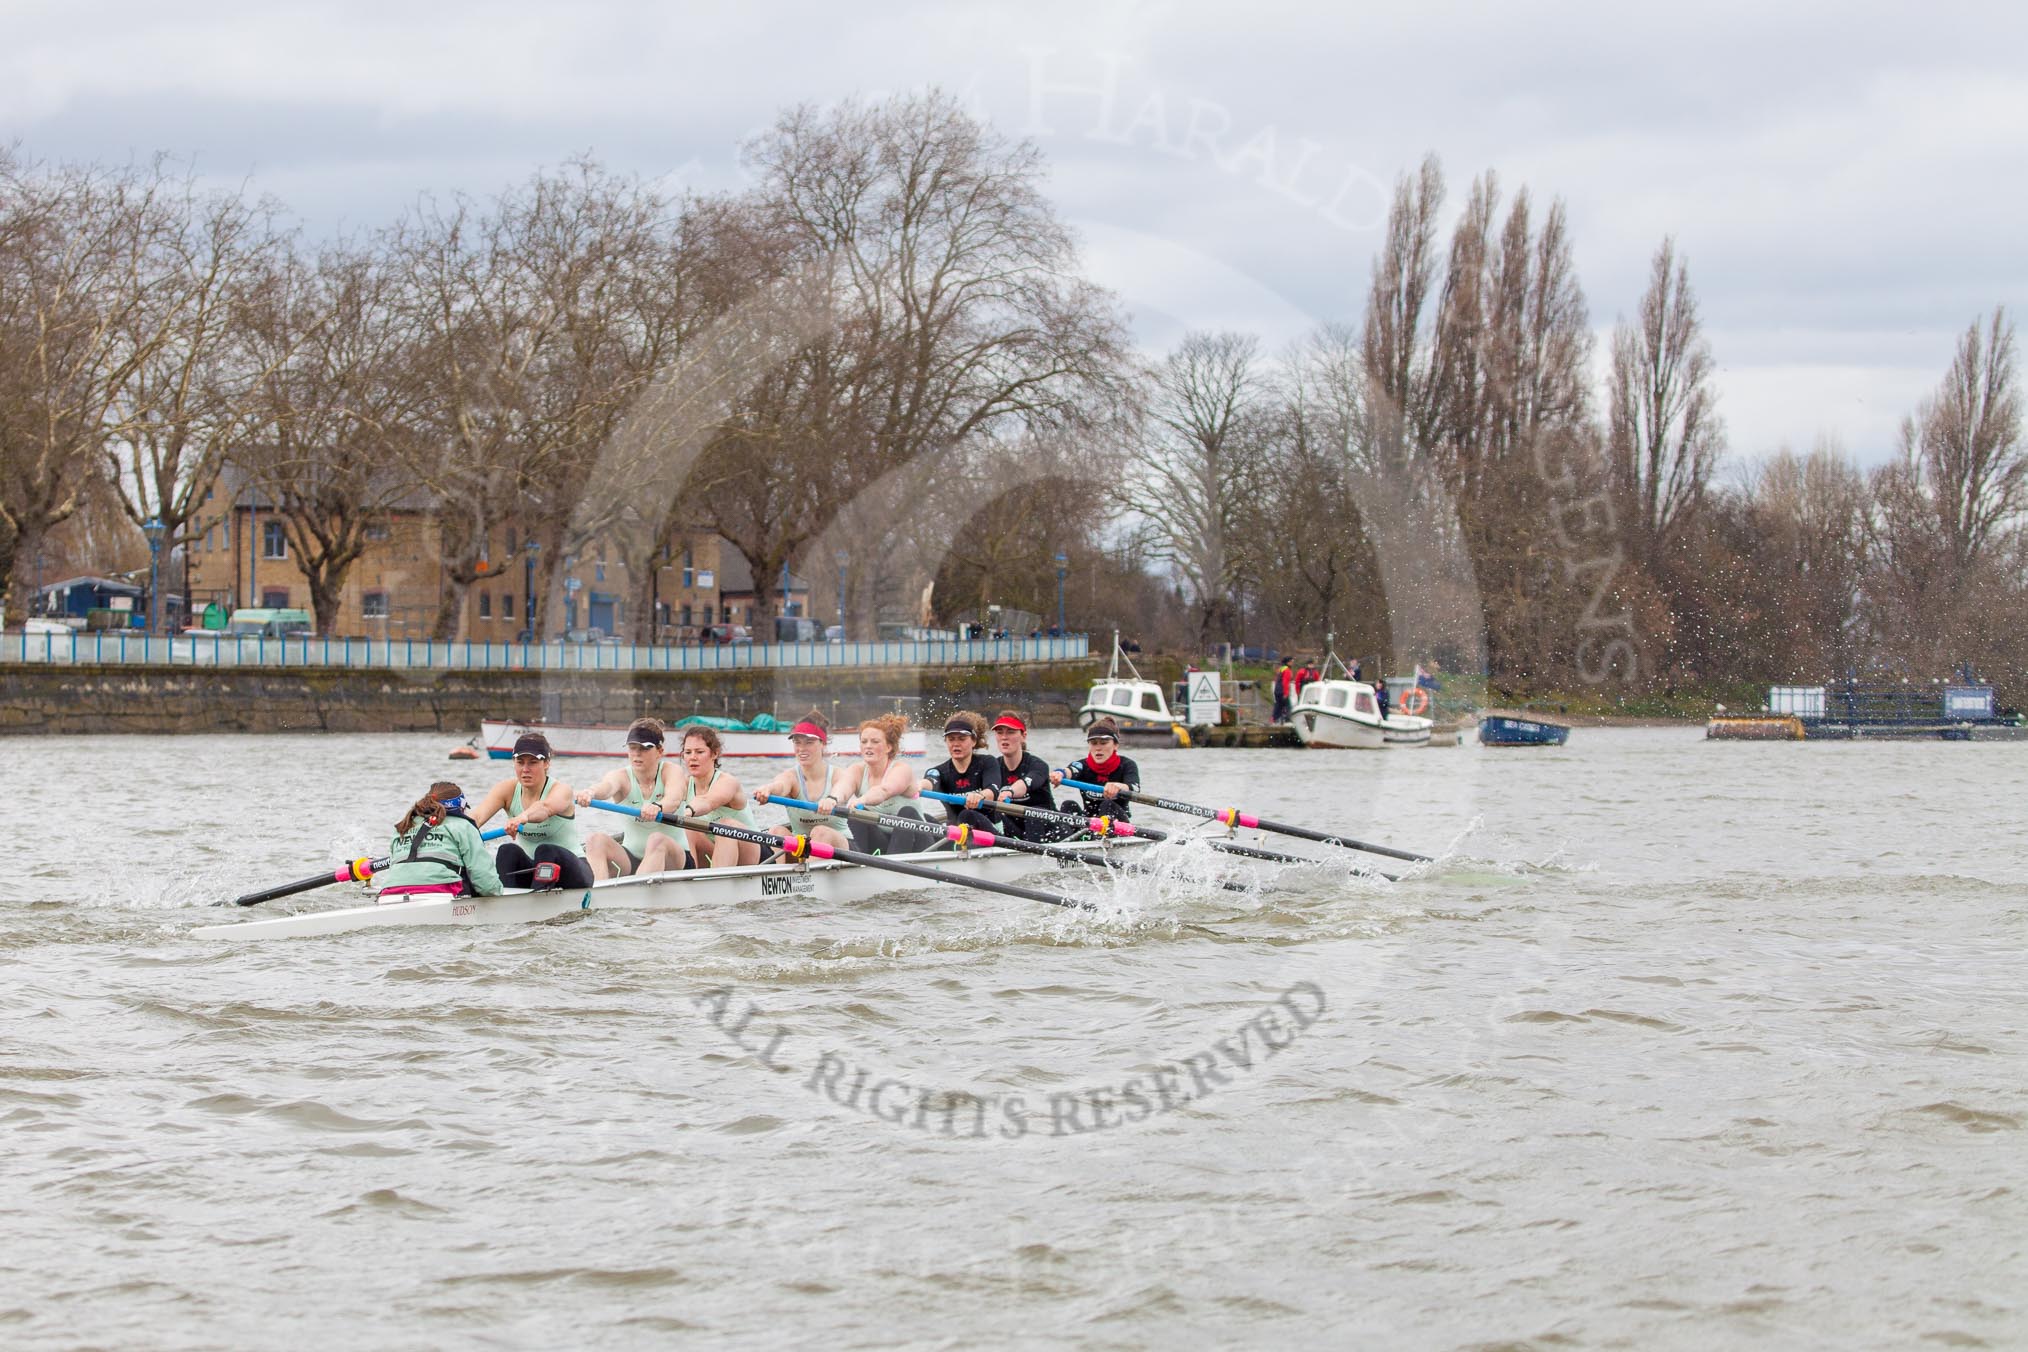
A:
(541, 821)
(652, 842)
(1102, 764)
(964, 773)
(809, 779)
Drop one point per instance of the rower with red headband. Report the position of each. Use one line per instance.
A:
(809, 779)
(1018, 775)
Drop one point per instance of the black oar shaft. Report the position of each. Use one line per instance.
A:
(1232, 816)
(343, 873)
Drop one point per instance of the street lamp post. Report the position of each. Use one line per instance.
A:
(1062, 569)
(843, 558)
(153, 529)
(528, 590)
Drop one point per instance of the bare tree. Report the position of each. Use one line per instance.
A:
(1200, 465)
(336, 426)
(182, 410)
(74, 248)
(1663, 431)
(1965, 443)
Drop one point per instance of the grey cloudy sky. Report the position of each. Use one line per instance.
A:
(1847, 181)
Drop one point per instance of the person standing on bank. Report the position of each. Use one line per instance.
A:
(809, 779)
(1285, 685)
(541, 820)
(1102, 764)
(1018, 775)
(437, 851)
(651, 843)
(964, 773)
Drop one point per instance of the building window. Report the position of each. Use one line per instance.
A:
(485, 605)
(599, 571)
(373, 605)
(377, 530)
(275, 598)
(507, 606)
(684, 618)
(274, 540)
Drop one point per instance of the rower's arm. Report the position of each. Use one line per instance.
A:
(479, 864)
(723, 792)
(555, 803)
(496, 800)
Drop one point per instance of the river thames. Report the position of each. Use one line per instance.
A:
(1677, 1045)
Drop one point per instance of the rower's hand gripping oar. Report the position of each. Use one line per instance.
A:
(799, 848)
(1233, 817)
(352, 871)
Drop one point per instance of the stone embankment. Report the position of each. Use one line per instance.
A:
(64, 701)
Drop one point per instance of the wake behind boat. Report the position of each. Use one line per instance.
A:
(610, 741)
(819, 880)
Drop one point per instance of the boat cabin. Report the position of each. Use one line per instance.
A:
(1125, 699)
(1340, 697)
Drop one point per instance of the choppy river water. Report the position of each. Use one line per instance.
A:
(1679, 1045)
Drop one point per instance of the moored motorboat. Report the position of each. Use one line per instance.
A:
(1521, 727)
(1139, 707)
(818, 880)
(585, 739)
(1343, 713)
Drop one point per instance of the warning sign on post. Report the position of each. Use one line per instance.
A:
(1203, 689)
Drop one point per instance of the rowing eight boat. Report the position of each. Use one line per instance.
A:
(819, 880)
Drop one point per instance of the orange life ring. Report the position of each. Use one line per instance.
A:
(1415, 702)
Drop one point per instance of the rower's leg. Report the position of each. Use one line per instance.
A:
(603, 852)
(572, 870)
(515, 867)
(663, 855)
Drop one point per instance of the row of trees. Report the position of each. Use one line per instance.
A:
(1445, 480)
(885, 352)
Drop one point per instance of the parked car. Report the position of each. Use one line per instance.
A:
(269, 622)
(725, 633)
(834, 634)
(797, 629)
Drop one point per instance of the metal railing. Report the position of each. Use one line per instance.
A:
(124, 648)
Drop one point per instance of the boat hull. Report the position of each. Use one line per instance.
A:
(585, 739)
(822, 880)
(1507, 729)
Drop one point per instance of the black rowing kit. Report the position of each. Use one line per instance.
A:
(1120, 771)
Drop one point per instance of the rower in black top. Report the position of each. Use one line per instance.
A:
(1102, 764)
(964, 773)
(1018, 775)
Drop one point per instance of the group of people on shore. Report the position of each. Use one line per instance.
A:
(438, 847)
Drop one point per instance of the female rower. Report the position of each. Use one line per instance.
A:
(651, 843)
(437, 851)
(709, 792)
(809, 779)
(881, 783)
(1102, 764)
(964, 773)
(541, 818)
(1018, 775)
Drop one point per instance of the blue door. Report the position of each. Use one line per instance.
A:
(602, 609)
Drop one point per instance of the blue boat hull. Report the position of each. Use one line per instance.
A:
(1497, 731)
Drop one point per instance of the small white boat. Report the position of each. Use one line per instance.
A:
(1341, 712)
(1139, 706)
(585, 739)
(821, 880)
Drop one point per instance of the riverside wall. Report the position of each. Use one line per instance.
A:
(63, 701)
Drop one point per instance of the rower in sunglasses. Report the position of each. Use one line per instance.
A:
(652, 842)
(541, 821)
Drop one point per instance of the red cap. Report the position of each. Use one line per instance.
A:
(808, 729)
(1009, 721)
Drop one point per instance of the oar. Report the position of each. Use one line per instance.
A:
(967, 837)
(1232, 816)
(353, 871)
(798, 848)
(1107, 825)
